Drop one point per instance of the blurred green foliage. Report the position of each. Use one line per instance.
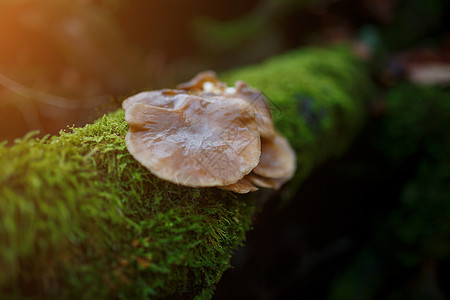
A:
(415, 20)
(412, 244)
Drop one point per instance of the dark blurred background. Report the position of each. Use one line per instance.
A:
(374, 224)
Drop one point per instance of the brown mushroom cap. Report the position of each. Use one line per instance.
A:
(207, 134)
(197, 142)
(162, 98)
(278, 159)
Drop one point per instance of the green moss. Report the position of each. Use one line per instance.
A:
(79, 216)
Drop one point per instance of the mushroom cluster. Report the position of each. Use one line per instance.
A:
(205, 134)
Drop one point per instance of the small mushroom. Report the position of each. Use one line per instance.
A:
(200, 142)
(207, 134)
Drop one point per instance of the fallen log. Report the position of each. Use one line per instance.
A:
(80, 218)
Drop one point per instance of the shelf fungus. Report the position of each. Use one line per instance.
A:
(206, 134)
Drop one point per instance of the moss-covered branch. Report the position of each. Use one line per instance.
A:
(80, 217)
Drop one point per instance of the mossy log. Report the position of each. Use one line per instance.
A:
(80, 218)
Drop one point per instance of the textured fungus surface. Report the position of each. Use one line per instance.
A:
(79, 217)
(206, 134)
(196, 144)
